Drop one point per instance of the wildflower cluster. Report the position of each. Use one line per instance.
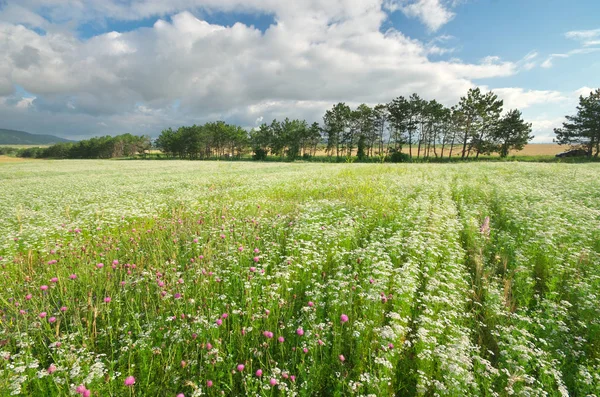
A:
(190, 279)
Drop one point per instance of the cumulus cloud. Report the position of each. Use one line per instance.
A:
(185, 70)
(543, 124)
(519, 98)
(583, 91)
(543, 128)
(433, 13)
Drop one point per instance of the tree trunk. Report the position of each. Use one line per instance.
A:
(465, 139)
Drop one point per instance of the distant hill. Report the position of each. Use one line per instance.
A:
(12, 137)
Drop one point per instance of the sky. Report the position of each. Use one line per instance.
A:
(83, 68)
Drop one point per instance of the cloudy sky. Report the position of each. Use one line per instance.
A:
(82, 68)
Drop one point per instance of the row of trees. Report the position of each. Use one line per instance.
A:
(290, 138)
(95, 148)
(426, 128)
(420, 128)
(215, 139)
(583, 129)
(409, 126)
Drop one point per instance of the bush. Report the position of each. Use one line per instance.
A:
(259, 154)
(398, 157)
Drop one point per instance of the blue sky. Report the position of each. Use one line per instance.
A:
(95, 67)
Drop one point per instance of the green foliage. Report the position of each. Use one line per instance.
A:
(511, 133)
(215, 139)
(95, 148)
(8, 150)
(398, 157)
(428, 128)
(260, 154)
(583, 129)
(470, 279)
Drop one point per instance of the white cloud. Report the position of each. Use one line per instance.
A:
(24, 103)
(547, 63)
(583, 91)
(586, 39)
(433, 13)
(583, 34)
(184, 70)
(519, 98)
(578, 51)
(529, 61)
(543, 124)
(543, 128)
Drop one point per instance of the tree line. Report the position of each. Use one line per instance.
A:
(413, 126)
(403, 129)
(105, 147)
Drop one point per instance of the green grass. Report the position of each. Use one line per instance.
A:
(435, 306)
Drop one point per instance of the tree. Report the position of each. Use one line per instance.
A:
(380, 114)
(418, 119)
(261, 139)
(468, 108)
(511, 133)
(335, 124)
(489, 111)
(400, 121)
(364, 124)
(583, 129)
(312, 139)
(480, 115)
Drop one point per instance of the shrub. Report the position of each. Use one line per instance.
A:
(259, 154)
(398, 157)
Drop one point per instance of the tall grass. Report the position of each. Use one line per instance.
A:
(169, 278)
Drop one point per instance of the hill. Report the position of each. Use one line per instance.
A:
(12, 137)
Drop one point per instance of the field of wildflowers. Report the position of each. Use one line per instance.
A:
(124, 278)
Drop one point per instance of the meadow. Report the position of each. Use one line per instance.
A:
(181, 278)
